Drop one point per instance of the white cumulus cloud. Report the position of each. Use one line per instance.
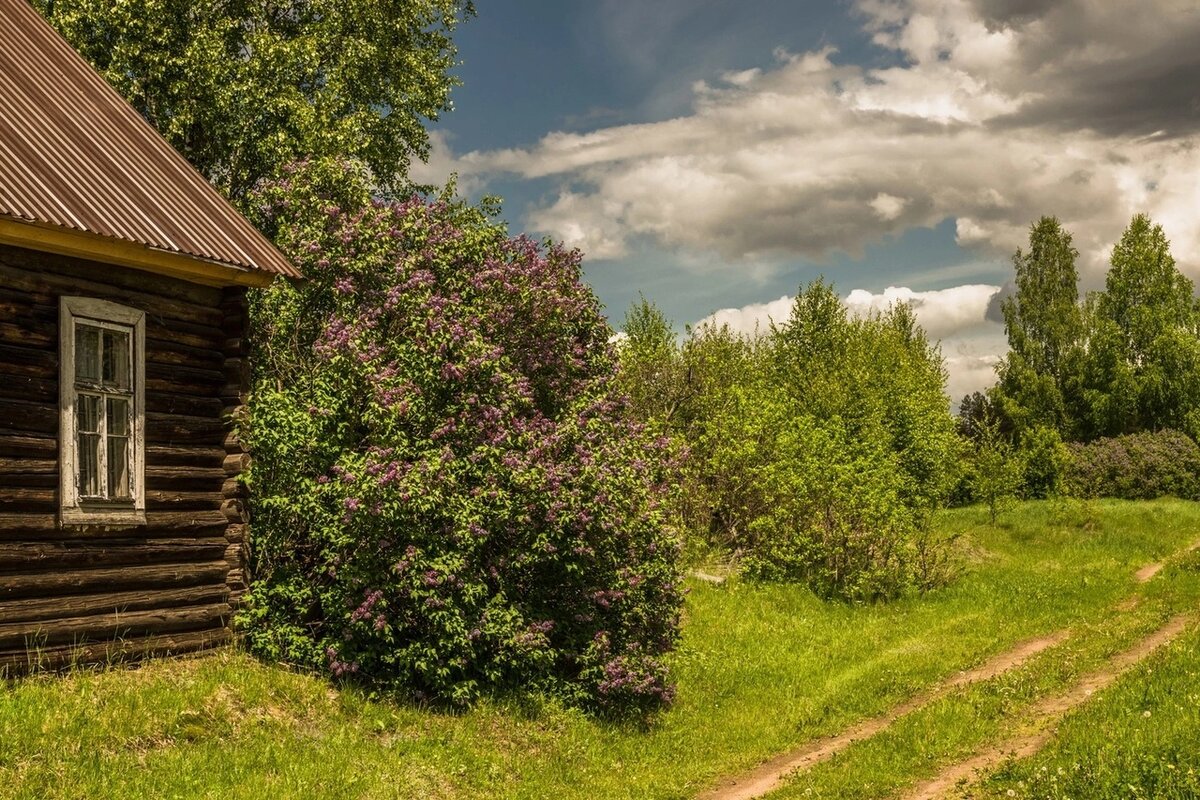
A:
(752, 319)
(992, 119)
(942, 312)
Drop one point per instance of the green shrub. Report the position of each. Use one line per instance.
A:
(448, 495)
(996, 470)
(833, 515)
(1138, 466)
(1044, 460)
(816, 452)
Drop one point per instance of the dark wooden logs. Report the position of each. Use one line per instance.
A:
(33, 447)
(199, 456)
(57, 555)
(110, 626)
(109, 602)
(182, 429)
(46, 658)
(131, 288)
(237, 375)
(44, 526)
(78, 593)
(60, 582)
(24, 418)
(158, 477)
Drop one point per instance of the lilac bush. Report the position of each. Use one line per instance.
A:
(448, 495)
(1137, 466)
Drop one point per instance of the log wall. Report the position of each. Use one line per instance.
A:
(82, 594)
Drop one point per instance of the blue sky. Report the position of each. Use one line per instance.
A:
(714, 155)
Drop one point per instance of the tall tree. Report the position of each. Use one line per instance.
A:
(651, 367)
(1044, 325)
(1144, 293)
(1146, 339)
(1042, 319)
(242, 87)
(1109, 388)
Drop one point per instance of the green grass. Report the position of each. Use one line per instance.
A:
(952, 728)
(761, 669)
(1141, 738)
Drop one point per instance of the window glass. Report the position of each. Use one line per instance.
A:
(116, 359)
(118, 416)
(118, 467)
(88, 408)
(88, 414)
(89, 460)
(87, 353)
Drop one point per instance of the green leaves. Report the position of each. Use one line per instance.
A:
(814, 453)
(651, 367)
(997, 473)
(1043, 322)
(449, 495)
(243, 87)
(1144, 294)
(1127, 360)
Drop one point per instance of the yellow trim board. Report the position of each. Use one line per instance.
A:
(76, 244)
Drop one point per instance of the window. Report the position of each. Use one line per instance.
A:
(102, 418)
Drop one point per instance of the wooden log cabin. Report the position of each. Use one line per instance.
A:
(123, 279)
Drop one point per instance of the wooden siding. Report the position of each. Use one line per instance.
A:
(83, 594)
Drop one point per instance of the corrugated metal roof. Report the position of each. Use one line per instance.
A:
(74, 154)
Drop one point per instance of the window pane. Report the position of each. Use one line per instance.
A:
(87, 410)
(116, 359)
(88, 465)
(118, 468)
(118, 416)
(87, 353)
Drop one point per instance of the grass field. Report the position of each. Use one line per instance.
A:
(761, 669)
(1140, 739)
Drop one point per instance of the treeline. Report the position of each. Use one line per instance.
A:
(815, 452)
(1116, 373)
(818, 450)
(1122, 360)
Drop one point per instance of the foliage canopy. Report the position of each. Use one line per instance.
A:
(815, 453)
(448, 493)
(1124, 361)
(243, 87)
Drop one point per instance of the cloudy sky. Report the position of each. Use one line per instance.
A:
(715, 155)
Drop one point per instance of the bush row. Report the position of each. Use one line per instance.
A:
(1138, 466)
(813, 452)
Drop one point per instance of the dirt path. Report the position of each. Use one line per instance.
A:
(1150, 570)
(1044, 714)
(1147, 572)
(771, 774)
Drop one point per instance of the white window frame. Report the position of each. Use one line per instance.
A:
(76, 510)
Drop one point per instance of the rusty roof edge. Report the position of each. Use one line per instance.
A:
(227, 227)
(222, 204)
(49, 238)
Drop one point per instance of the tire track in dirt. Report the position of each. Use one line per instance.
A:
(1044, 714)
(771, 774)
(1147, 572)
